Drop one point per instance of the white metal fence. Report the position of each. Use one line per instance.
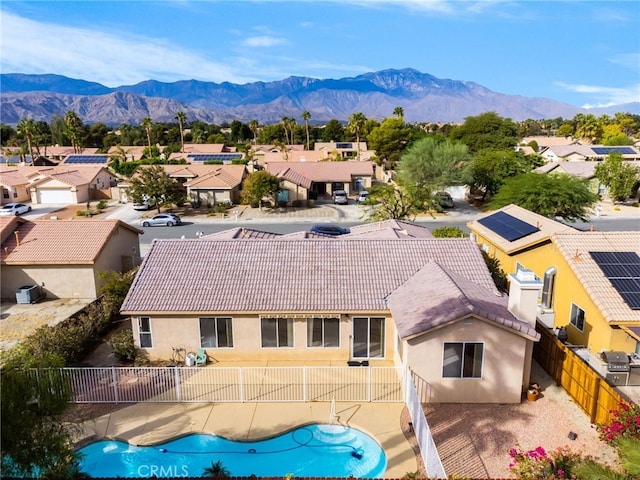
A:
(235, 384)
(427, 446)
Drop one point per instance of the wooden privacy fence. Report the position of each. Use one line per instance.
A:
(234, 384)
(584, 385)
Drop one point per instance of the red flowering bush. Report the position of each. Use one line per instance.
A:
(538, 463)
(625, 423)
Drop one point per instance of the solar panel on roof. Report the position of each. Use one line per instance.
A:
(206, 157)
(343, 145)
(86, 159)
(608, 150)
(622, 269)
(508, 227)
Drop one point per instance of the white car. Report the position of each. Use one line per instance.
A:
(12, 209)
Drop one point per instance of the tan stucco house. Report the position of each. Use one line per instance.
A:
(64, 257)
(303, 181)
(426, 303)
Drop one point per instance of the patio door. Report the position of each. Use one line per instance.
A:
(368, 337)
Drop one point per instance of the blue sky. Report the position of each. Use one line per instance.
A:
(585, 53)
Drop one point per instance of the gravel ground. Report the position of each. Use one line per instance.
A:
(473, 440)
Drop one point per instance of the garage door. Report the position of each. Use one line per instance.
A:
(56, 196)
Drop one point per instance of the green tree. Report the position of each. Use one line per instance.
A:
(216, 470)
(618, 176)
(399, 112)
(306, 115)
(356, 125)
(147, 124)
(333, 131)
(73, 130)
(431, 164)
(490, 168)
(259, 185)
(253, 126)
(565, 130)
(391, 202)
(7, 134)
(588, 128)
(389, 140)
(448, 232)
(486, 131)
(35, 442)
(551, 196)
(153, 182)
(27, 129)
(181, 117)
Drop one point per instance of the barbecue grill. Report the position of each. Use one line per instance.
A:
(616, 361)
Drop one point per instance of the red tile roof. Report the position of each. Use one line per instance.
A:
(323, 171)
(292, 275)
(58, 242)
(451, 297)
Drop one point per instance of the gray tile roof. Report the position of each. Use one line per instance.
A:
(280, 275)
(451, 297)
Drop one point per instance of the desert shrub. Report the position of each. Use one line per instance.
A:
(123, 345)
(102, 204)
(625, 423)
(448, 232)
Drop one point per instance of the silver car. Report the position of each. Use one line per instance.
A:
(161, 219)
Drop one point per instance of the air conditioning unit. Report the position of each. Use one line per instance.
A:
(546, 316)
(29, 294)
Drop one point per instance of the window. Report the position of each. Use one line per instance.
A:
(368, 337)
(216, 332)
(5, 193)
(462, 360)
(15, 193)
(577, 317)
(323, 332)
(144, 332)
(276, 332)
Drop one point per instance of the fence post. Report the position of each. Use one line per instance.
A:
(304, 383)
(241, 382)
(114, 378)
(369, 384)
(593, 414)
(177, 380)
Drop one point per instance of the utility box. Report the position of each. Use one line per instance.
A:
(29, 294)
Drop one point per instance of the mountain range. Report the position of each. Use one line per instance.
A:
(423, 98)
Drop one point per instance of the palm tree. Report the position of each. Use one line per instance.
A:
(292, 125)
(26, 128)
(147, 123)
(285, 124)
(73, 125)
(306, 116)
(216, 470)
(355, 126)
(253, 126)
(182, 118)
(399, 112)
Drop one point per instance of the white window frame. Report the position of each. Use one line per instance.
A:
(574, 317)
(216, 320)
(323, 327)
(383, 340)
(461, 374)
(289, 330)
(145, 333)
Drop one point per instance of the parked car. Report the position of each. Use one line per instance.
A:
(329, 229)
(11, 209)
(362, 196)
(161, 219)
(340, 197)
(144, 205)
(444, 199)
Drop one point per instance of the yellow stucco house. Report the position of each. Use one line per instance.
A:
(591, 280)
(389, 295)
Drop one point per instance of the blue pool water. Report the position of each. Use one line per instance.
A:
(311, 451)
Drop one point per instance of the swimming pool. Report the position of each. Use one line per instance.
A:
(317, 450)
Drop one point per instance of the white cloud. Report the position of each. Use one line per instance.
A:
(605, 96)
(629, 60)
(112, 59)
(263, 41)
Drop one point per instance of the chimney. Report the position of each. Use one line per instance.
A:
(524, 291)
(523, 301)
(17, 238)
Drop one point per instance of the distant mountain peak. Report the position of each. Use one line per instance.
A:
(423, 97)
